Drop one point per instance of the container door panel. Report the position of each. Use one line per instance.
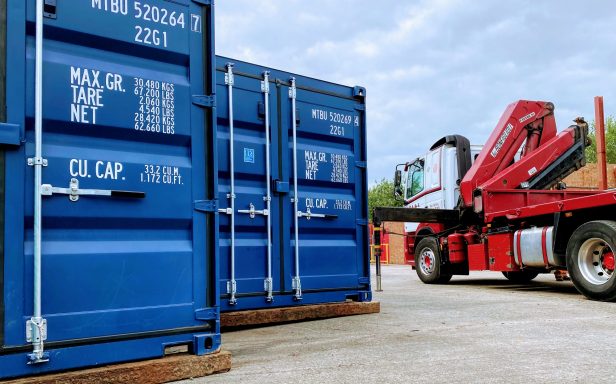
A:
(118, 116)
(249, 182)
(328, 136)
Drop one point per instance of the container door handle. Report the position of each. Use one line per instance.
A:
(253, 212)
(74, 192)
(308, 215)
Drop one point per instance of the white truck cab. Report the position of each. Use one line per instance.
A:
(433, 181)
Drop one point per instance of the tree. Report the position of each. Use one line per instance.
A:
(610, 141)
(382, 195)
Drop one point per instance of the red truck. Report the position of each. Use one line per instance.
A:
(514, 215)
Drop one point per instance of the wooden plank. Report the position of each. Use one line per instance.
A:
(273, 316)
(172, 368)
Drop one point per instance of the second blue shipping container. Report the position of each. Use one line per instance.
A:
(292, 189)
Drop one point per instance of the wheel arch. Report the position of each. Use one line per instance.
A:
(423, 233)
(427, 229)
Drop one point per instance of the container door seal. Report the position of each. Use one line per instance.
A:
(2, 229)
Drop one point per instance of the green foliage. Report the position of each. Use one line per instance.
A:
(382, 195)
(610, 142)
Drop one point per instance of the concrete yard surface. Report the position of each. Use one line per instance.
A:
(476, 329)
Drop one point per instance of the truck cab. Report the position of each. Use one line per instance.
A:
(433, 181)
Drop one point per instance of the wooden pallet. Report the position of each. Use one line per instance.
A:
(172, 368)
(273, 316)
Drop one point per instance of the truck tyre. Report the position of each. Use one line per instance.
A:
(590, 259)
(428, 262)
(520, 276)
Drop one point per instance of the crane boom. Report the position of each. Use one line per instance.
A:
(528, 126)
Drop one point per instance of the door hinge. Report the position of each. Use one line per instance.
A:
(205, 101)
(210, 206)
(49, 9)
(361, 164)
(363, 280)
(362, 222)
(207, 314)
(261, 109)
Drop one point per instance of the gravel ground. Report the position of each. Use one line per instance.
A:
(476, 329)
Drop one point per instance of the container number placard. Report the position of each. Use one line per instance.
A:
(153, 22)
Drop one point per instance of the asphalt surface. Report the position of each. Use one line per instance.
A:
(476, 329)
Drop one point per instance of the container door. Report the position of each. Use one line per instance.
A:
(331, 210)
(245, 103)
(124, 143)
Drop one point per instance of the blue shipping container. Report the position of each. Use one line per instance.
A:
(129, 238)
(260, 151)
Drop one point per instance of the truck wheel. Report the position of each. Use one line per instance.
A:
(590, 259)
(520, 276)
(428, 262)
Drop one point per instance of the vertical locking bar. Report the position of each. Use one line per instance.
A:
(268, 285)
(36, 326)
(297, 286)
(232, 286)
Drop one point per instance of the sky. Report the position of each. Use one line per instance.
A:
(434, 67)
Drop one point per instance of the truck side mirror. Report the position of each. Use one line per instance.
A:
(398, 183)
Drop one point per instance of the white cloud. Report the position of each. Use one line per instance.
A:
(418, 20)
(433, 68)
(414, 72)
(366, 49)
